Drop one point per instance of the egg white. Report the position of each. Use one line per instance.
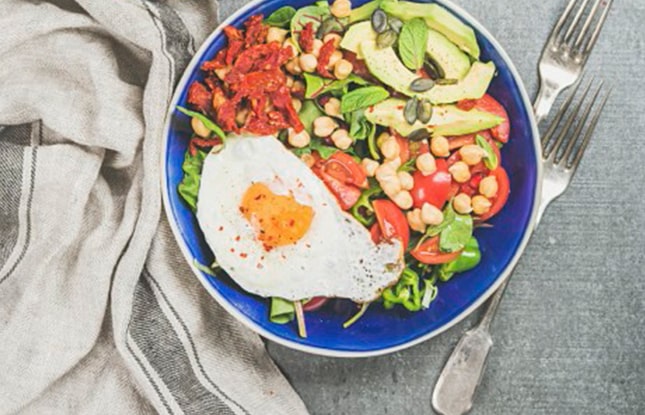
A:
(335, 258)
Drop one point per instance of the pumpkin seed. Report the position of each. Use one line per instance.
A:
(446, 81)
(421, 84)
(424, 111)
(410, 110)
(433, 69)
(386, 39)
(329, 25)
(395, 24)
(418, 135)
(379, 21)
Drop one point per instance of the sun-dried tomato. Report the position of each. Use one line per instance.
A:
(323, 58)
(200, 142)
(216, 63)
(219, 97)
(234, 49)
(199, 96)
(227, 111)
(306, 39)
(256, 31)
(282, 100)
(233, 33)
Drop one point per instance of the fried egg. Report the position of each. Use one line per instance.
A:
(277, 231)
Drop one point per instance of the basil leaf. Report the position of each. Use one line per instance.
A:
(308, 113)
(188, 189)
(208, 123)
(412, 43)
(362, 98)
(359, 127)
(490, 158)
(281, 17)
(316, 85)
(456, 235)
(448, 217)
(309, 14)
(282, 311)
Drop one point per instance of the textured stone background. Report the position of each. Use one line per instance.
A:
(570, 334)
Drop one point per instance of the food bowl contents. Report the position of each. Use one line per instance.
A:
(341, 152)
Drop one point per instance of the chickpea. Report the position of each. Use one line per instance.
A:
(324, 126)
(390, 149)
(308, 62)
(290, 43)
(480, 205)
(298, 140)
(240, 117)
(462, 203)
(289, 81)
(471, 154)
(431, 215)
(426, 164)
(308, 159)
(296, 103)
(316, 47)
(293, 67)
(390, 185)
(407, 182)
(298, 87)
(335, 36)
(218, 100)
(369, 166)
(403, 199)
(383, 137)
(199, 128)
(334, 58)
(332, 107)
(385, 171)
(341, 8)
(414, 220)
(275, 34)
(439, 146)
(488, 186)
(343, 68)
(341, 139)
(460, 172)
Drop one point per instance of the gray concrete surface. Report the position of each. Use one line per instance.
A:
(570, 334)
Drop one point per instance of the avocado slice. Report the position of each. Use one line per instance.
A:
(446, 119)
(437, 18)
(386, 66)
(355, 35)
(454, 63)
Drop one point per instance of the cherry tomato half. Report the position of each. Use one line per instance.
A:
(391, 221)
(343, 167)
(429, 253)
(503, 189)
(433, 188)
(491, 105)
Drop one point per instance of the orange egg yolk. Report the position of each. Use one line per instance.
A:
(278, 219)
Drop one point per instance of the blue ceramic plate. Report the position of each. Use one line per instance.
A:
(380, 331)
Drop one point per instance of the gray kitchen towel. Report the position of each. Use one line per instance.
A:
(99, 313)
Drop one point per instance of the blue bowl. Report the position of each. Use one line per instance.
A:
(380, 331)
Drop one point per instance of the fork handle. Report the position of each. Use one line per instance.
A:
(546, 97)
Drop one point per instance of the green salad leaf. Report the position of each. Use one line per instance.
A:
(281, 17)
(468, 259)
(314, 14)
(316, 85)
(308, 113)
(316, 144)
(490, 157)
(362, 98)
(282, 311)
(408, 293)
(456, 235)
(412, 43)
(208, 123)
(188, 189)
(359, 126)
(449, 216)
(364, 12)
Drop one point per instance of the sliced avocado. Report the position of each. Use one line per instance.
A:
(364, 12)
(386, 66)
(446, 119)
(454, 63)
(356, 34)
(437, 18)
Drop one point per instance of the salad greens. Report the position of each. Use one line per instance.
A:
(490, 158)
(412, 43)
(468, 259)
(282, 311)
(281, 17)
(189, 187)
(455, 236)
(362, 98)
(208, 123)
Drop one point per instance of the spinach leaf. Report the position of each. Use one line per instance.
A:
(362, 98)
(434, 230)
(490, 157)
(359, 127)
(456, 235)
(282, 311)
(208, 123)
(314, 14)
(316, 145)
(281, 17)
(188, 189)
(412, 43)
(316, 85)
(308, 113)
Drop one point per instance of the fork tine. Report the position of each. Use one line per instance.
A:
(587, 24)
(588, 134)
(599, 25)
(561, 111)
(555, 148)
(563, 18)
(579, 127)
(576, 19)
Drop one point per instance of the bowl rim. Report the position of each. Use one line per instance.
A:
(528, 231)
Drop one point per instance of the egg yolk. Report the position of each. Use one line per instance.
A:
(278, 219)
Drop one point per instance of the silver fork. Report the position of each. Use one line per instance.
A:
(567, 50)
(562, 147)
